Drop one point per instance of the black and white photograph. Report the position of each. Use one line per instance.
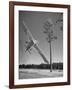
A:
(40, 44)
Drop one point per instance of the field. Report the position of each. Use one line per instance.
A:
(39, 73)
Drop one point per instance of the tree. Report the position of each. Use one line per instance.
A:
(48, 26)
(59, 20)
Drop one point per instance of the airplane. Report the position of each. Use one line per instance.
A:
(29, 45)
(32, 43)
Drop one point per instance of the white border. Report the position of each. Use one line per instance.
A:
(16, 45)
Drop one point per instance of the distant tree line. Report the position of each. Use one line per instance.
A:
(42, 66)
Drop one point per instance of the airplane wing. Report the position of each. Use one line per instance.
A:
(27, 32)
(30, 38)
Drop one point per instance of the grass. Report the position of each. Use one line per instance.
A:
(39, 73)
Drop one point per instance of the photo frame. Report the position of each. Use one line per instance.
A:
(26, 22)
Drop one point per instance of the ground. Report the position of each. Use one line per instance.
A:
(39, 73)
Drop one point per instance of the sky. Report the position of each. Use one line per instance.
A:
(35, 21)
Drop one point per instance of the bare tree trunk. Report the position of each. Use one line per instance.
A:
(50, 58)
